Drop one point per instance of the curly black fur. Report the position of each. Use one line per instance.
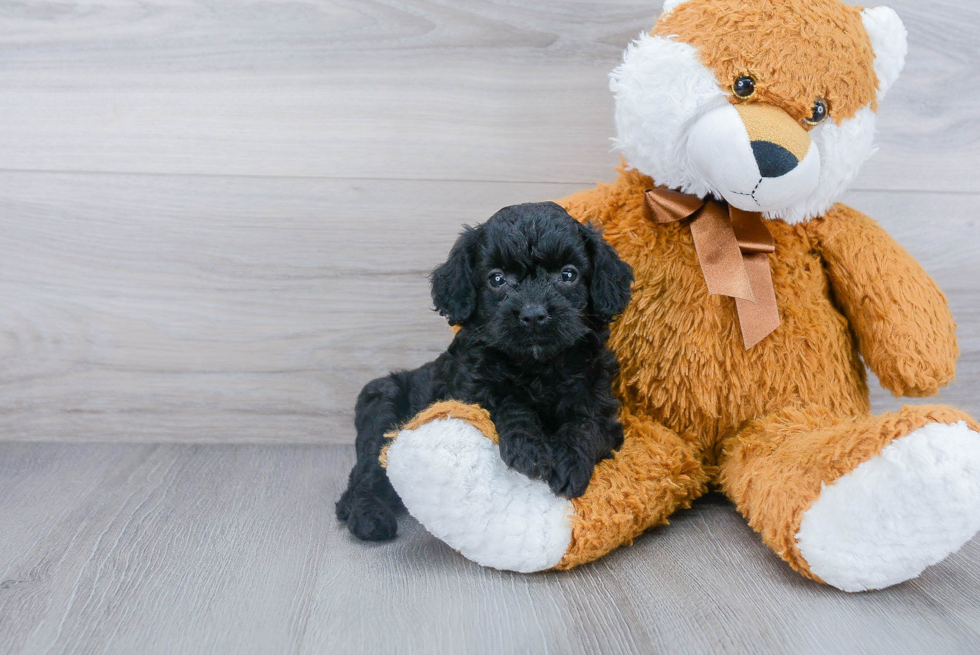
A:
(534, 292)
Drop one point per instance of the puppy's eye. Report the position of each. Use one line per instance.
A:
(496, 279)
(821, 110)
(569, 274)
(744, 87)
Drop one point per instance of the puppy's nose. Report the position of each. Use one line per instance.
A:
(533, 315)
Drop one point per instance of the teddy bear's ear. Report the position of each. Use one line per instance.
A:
(671, 5)
(890, 41)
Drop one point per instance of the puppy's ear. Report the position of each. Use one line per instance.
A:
(454, 283)
(611, 276)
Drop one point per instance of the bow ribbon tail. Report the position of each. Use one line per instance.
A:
(733, 249)
(719, 253)
(758, 319)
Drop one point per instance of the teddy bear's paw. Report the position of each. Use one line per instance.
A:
(909, 507)
(452, 479)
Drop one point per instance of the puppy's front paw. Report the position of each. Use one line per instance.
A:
(570, 476)
(527, 454)
(565, 471)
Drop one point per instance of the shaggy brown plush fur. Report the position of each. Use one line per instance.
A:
(682, 360)
(791, 48)
(802, 391)
(899, 315)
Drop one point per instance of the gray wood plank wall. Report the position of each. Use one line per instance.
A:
(217, 217)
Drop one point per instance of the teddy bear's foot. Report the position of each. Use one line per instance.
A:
(907, 508)
(449, 474)
(446, 466)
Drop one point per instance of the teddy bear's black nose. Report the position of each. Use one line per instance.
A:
(773, 159)
(533, 315)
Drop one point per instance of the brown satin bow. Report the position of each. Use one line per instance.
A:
(733, 249)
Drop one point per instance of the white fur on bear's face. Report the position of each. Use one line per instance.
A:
(661, 89)
(663, 93)
(720, 151)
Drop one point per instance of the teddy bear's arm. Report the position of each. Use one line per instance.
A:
(901, 318)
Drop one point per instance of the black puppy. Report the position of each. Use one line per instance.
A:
(534, 292)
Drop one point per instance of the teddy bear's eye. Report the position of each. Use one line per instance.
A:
(820, 111)
(744, 87)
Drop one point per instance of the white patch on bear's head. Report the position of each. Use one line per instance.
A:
(665, 97)
(843, 150)
(889, 38)
(661, 89)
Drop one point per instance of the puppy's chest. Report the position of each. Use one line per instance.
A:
(549, 393)
(545, 387)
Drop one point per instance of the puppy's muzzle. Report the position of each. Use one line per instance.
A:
(533, 315)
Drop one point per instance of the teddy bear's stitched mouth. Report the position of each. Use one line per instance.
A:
(752, 194)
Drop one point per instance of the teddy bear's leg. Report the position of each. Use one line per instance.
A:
(654, 474)
(862, 502)
(446, 467)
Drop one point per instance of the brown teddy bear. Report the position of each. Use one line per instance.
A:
(741, 122)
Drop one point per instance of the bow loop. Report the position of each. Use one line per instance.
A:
(669, 206)
(733, 248)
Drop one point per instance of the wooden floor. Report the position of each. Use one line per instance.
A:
(216, 219)
(167, 548)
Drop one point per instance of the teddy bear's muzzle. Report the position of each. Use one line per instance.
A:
(755, 156)
(779, 143)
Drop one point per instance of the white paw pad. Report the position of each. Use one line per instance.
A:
(911, 506)
(452, 479)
